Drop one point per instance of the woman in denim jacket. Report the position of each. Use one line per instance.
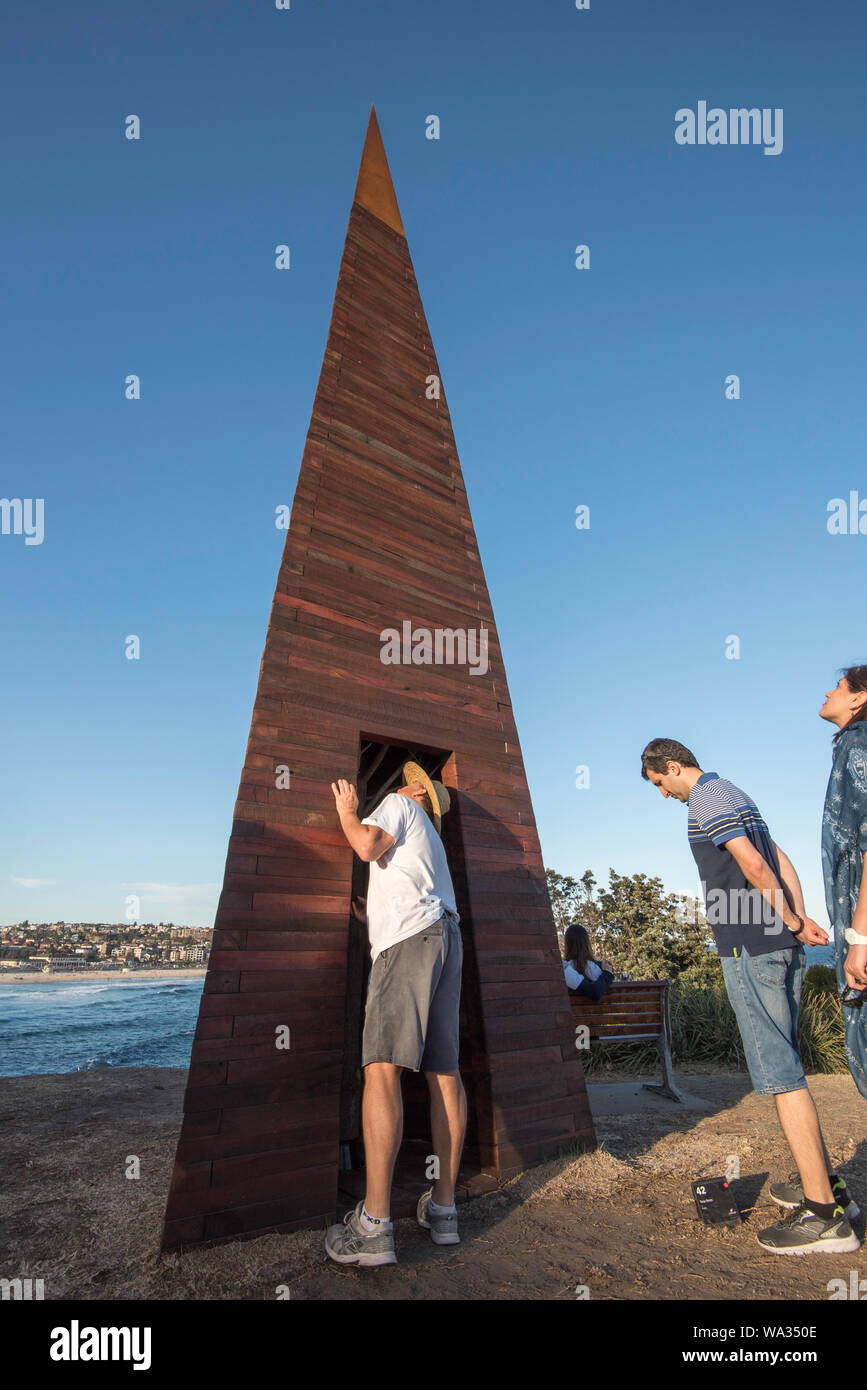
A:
(844, 842)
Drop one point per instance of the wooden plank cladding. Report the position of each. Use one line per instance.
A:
(380, 536)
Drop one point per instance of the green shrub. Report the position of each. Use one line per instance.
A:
(821, 1035)
(704, 1029)
(703, 1025)
(820, 979)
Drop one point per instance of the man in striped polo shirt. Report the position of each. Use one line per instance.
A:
(755, 908)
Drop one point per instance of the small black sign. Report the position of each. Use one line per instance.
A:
(716, 1205)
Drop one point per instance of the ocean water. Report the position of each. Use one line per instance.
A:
(59, 1026)
(820, 955)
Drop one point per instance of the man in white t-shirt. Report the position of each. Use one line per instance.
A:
(412, 1009)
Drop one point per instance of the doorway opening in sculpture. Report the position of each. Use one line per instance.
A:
(380, 771)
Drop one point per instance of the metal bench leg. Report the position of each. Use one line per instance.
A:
(668, 1087)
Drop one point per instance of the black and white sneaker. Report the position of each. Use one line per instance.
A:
(802, 1232)
(791, 1194)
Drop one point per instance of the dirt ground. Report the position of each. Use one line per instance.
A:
(620, 1221)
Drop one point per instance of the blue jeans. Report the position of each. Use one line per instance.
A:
(765, 993)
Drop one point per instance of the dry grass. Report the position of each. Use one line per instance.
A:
(567, 1179)
(620, 1219)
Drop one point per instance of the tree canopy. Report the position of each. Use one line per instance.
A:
(642, 930)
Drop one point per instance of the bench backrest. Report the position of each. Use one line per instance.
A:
(630, 1009)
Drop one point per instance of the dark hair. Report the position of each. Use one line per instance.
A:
(662, 751)
(856, 679)
(576, 944)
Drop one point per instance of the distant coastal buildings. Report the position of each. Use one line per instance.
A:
(57, 946)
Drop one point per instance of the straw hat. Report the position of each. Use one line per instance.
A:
(439, 798)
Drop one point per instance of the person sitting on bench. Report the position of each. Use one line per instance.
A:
(583, 972)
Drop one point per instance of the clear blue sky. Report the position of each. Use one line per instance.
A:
(603, 387)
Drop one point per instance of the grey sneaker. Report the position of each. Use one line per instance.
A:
(802, 1232)
(443, 1229)
(791, 1194)
(349, 1245)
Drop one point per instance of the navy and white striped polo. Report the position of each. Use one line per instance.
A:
(738, 915)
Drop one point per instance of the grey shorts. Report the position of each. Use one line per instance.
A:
(413, 1000)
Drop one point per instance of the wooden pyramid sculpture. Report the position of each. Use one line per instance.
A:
(381, 647)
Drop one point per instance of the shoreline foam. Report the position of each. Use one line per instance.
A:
(38, 977)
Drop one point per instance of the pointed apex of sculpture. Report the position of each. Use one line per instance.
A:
(374, 189)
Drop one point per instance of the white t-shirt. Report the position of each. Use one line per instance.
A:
(574, 977)
(410, 884)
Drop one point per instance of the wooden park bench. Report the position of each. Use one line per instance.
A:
(633, 1011)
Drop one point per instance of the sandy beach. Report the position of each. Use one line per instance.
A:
(39, 977)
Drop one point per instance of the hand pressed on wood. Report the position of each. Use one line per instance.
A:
(345, 796)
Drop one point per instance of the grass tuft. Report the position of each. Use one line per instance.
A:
(704, 1029)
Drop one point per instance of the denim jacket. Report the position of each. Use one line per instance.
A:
(844, 842)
